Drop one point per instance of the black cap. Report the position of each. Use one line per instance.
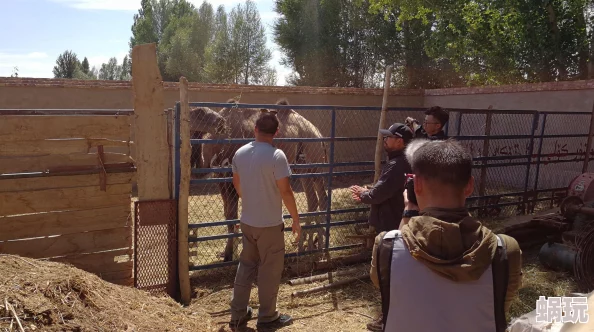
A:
(398, 130)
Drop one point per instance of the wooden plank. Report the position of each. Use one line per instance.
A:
(48, 147)
(184, 192)
(12, 203)
(70, 244)
(150, 125)
(62, 181)
(123, 282)
(41, 163)
(31, 127)
(107, 261)
(66, 222)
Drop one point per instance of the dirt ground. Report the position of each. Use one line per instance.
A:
(347, 308)
(351, 307)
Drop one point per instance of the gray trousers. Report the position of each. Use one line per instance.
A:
(263, 252)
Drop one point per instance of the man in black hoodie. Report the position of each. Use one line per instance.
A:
(385, 197)
(435, 120)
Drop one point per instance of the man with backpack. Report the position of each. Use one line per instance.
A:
(443, 270)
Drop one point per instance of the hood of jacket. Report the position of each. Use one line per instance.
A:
(451, 243)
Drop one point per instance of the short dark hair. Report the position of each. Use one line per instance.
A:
(439, 113)
(445, 161)
(267, 122)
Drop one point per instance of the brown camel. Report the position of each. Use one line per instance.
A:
(240, 123)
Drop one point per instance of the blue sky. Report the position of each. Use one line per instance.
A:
(35, 32)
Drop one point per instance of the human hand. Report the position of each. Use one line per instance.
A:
(296, 227)
(407, 204)
(356, 192)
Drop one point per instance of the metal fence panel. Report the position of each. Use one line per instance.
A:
(332, 147)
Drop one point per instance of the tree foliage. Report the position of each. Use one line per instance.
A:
(66, 65)
(202, 45)
(437, 43)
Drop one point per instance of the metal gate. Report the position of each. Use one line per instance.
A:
(332, 147)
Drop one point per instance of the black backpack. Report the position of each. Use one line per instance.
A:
(500, 269)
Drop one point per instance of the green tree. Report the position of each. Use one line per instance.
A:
(126, 69)
(248, 52)
(66, 65)
(111, 70)
(218, 63)
(85, 66)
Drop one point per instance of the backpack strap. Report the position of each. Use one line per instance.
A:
(384, 261)
(500, 268)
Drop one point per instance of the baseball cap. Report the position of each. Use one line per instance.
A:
(399, 130)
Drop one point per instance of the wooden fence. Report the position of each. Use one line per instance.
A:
(65, 186)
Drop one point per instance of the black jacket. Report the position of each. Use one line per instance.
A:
(421, 133)
(387, 203)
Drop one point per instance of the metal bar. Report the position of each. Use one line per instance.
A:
(296, 166)
(529, 166)
(369, 138)
(111, 168)
(459, 124)
(330, 176)
(589, 143)
(289, 255)
(197, 141)
(565, 113)
(539, 153)
(66, 112)
(347, 108)
(294, 176)
(177, 149)
(509, 204)
(286, 216)
(488, 121)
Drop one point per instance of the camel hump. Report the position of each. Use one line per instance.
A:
(283, 101)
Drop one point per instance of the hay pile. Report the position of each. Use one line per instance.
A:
(48, 296)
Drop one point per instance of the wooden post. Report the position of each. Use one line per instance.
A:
(184, 192)
(589, 143)
(382, 122)
(150, 125)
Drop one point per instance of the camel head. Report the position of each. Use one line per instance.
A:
(205, 120)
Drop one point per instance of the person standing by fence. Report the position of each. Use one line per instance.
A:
(261, 175)
(385, 197)
(435, 120)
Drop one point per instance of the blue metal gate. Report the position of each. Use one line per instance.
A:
(504, 173)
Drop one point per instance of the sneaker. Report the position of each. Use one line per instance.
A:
(282, 320)
(234, 325)
(377, 325)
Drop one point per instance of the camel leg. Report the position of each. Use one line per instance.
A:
(320, 189)
(230, 205)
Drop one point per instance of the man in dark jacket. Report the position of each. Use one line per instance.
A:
(385, 197)
(435, 120)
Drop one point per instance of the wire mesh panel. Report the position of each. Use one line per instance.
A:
(330, 148)
(155, 246)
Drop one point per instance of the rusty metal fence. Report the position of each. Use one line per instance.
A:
(521, 164)
(155, 246)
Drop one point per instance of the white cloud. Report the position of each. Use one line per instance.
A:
(97, 60)
(131, 5)
(34, 64)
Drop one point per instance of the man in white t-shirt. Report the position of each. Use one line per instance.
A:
(261, 177)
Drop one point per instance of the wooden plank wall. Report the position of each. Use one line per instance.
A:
(65, 187)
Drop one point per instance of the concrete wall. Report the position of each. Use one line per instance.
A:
(553, 96)
(575, 96)
(48, 93)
